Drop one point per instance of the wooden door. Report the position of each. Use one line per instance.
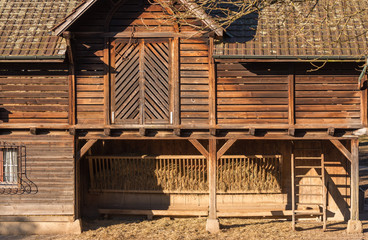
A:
(141, 82)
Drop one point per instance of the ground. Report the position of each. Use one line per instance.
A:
(231, 228)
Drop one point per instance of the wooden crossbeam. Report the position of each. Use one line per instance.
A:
(225, 147)
(342, 149)
(85, 148)
(199, 147)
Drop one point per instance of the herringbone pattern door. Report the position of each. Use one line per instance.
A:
(141, 85)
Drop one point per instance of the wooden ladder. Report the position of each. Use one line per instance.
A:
(314, 189)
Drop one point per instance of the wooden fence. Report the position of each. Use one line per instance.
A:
(184, 174)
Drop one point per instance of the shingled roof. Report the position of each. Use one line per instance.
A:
(25, 28)
(334, 31)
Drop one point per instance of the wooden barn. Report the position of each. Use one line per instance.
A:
(118, 107)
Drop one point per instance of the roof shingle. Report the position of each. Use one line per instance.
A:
(333, 28)
(25, 26)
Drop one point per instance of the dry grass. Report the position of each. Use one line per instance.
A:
(194, 228)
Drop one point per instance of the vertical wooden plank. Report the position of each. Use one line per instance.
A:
(112, 80)
(106, 56)
(324, 192)
(212, 85)
(291, 97)
(72, 115)
(77, 187)
(292, 191)
(141, 81)
(212, 179)
(363, 104)
(354, 205)
(1, 165)
(175, 93)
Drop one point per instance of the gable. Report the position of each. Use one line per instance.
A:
(155, 16)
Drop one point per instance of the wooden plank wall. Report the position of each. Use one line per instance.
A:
(89, 80)
(50, 166)
(327, 99)
(247, 95)
(194, 83)
(34, 93)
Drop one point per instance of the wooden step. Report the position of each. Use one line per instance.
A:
(309, 185)
(308, 176)
(309, 194)
(306, 204)
(308, 213)
(307, 158)
(308, 167)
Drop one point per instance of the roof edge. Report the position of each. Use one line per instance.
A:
(283, 57)
(69, 20)
(33, 58)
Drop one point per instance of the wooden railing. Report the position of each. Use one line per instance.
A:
(184, 174)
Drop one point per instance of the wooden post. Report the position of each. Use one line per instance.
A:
(213, 225)
(291, 96)
(212, 86)
(363, 103)
(175, 93)
(106, 60)
(354, 225)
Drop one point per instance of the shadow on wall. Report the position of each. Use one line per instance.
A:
(4, 115)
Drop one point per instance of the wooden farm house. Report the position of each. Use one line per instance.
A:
(117, 107)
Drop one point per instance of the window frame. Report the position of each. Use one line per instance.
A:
(17, 173)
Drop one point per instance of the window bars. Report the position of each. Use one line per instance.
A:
(13, 176)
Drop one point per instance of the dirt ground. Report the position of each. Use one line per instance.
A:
(194, 228)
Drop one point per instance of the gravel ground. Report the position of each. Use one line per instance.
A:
(194, 228)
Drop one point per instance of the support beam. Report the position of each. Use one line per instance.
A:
(33, 130)
(107, 131)
(72, 131)
(225, 147)
(291, 131)
(354, 225)
(84, 149)
(213, 225)
(342, 149)
(199, 147)
(142, 132)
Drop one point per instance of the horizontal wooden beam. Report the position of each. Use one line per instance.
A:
(199, 147)
(169, 135)
(342, 149)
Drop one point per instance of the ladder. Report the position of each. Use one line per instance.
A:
(308, 185)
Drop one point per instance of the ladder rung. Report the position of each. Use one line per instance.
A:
(309, 194)
(309, 203)
(308, 185)
(308, 167)
(308, 176)
(305, 158)
(308, 213)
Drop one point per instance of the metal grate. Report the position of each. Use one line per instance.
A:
(13, 176)
(184, 174)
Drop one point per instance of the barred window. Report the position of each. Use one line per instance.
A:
(9, 165)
